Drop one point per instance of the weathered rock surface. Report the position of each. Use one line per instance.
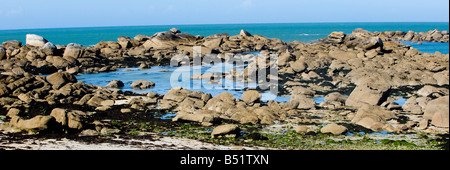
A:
(206, 117)
(221, 103)
(245, 33)
(72, 119)
(73, 50)
(372, 117)
(2, 53)
(334, 100)
(334, 129)
(430, 36)
(36, 123)
(142, 84)
(335, 38)
(298, 66)
(60, 79)
(416, 105)
(35, 40)
(225, 130)
(365, 94)
(115, 84)
(49, 49)
(251, 97)
(438, 111)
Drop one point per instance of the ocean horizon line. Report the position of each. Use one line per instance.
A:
(174, 25)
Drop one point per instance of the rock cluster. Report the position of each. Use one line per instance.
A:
(201, 108)
(430, 36)
(359, 72)
(34, 102)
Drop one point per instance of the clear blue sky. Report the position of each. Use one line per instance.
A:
(22, 14)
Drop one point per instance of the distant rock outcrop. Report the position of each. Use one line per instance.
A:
(35, 40)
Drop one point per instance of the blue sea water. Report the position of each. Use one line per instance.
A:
(429, 47)
(303, 32)
(401, 101)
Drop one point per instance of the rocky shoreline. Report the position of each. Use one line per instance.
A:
(430, 36)
(359, 74)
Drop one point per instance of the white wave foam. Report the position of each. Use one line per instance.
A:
(307, 34)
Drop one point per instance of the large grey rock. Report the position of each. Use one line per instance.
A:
(362, 33)
(213, 43)
(302, 129)
(124, 42)
(334, 100)
(18, 71)
(372, 117)
(36, 123)
(284, 58)
(33, 55)
(299, 90)
(334, 129)
(266, 115)
(3, 90)
(304, 102)
(13, 112)
(226, 129)
(201, 116)
(298, 66)
(2, 53)
(245, 33)
(73, 50)
(438, 112)
(25, 97)
(342, 55)
(74, 119)
(335, 38)
(141, 37)
(177, 94)
(369, 95)
(221, 102)
(442, 78)
(409, 36)
(48, 48)
(35, 40)
(242, 115)
(158, 44)
(251, 96)
(174, 30)
(372, 43)
(412, 106)
(429, 91)
(60, 62)
(115, 84)
(137, 51)
(363, 39)
(12, 43)
(59, 79)
(142, 84)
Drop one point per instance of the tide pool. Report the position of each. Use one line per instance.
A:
(429, 47)
(162, 76)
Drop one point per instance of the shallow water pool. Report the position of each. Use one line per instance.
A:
(429, 47)
(401, 101)
(162, 76)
